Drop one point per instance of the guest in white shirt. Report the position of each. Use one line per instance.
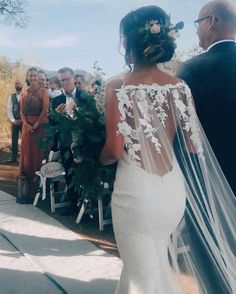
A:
(13, 110)
(55, 88)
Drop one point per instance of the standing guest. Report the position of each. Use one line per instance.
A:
(66, 102)
(47, 84)
(43, 79)
(211, 78)
(80, 81)
(33, 108)
(55, 87)
(13, 109)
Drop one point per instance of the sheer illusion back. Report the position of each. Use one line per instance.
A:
(150, 115)
(168, 160)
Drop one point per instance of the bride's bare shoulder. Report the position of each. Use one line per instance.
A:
(166, 78)
(114, 84)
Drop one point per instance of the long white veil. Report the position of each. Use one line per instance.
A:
(159, 124)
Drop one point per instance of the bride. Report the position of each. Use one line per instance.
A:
(169, 192)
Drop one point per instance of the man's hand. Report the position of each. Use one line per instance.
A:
(61, 108)
(17, 122)
(71, 105)
(77, 160)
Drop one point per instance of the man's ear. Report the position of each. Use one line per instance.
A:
(212, 22)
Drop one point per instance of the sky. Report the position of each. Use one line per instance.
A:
(76, 33)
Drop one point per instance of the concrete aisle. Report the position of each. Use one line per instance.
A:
(38, 255)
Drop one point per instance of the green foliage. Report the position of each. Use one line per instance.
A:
(13, 12)
(84, 132)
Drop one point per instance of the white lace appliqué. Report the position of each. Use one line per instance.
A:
(187, 115)
(158, 104)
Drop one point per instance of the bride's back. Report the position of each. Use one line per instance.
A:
(145, 96)
(146, 105)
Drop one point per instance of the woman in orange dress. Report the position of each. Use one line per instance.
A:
(33, 107)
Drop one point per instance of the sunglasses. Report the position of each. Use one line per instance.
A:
(197, 21)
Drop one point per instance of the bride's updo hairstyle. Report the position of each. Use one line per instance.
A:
(148, 36)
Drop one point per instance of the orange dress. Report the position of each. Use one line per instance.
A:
(34, 107)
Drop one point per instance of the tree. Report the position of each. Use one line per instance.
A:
(13, 12)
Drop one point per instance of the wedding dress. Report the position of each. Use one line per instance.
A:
(167, 163)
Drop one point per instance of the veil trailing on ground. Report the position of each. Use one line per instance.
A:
(160, 126)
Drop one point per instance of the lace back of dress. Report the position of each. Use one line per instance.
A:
(148, 125)
(160, 128)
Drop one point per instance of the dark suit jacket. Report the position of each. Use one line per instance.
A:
(62, 99)
(211, 77)
(82, 99)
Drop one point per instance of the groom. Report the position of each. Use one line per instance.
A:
(212, 79)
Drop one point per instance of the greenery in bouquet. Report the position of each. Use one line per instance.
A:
(84, 132)
(99, 89)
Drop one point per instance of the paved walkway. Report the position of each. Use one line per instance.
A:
(38, 255)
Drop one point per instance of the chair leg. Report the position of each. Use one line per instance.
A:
(100, 213)
(52, 197)
(64, 194)
(36, 199)
(81, 213)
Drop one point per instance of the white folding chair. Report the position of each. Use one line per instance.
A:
(52, 172)
(101, 209)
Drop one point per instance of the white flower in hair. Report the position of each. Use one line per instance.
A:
(174, 34)
(155, 29)
(153, 26)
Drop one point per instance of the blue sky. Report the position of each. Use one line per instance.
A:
(76, 33)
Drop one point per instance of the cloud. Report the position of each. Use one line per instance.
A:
(60, 42)
(6, 42)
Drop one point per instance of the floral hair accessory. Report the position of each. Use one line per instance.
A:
(153, 26)
(173, 34)
(174, 31)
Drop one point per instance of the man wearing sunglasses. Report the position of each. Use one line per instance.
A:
(211, 77)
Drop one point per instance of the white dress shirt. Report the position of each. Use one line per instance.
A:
(218, 42)
(10, 107)
(70, 102)
(54, 93)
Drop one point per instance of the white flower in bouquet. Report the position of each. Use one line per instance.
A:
(99, 97)
(99, 86)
